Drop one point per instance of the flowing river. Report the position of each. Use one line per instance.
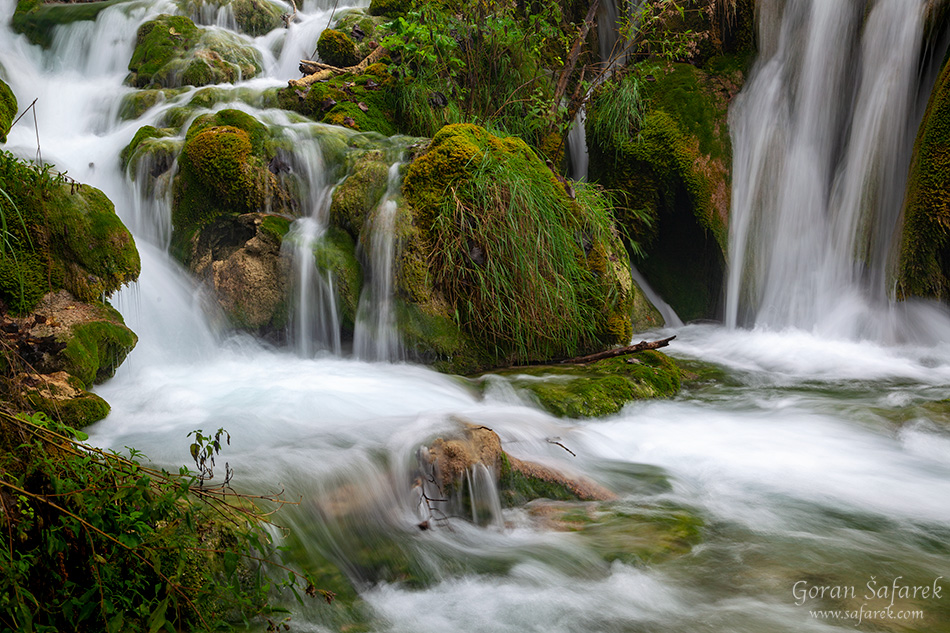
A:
(811, 459)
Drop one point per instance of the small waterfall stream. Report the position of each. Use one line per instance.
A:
(811, 458)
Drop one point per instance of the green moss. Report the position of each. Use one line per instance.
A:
(336, 101)
(37, 20)
(360, 193)
(924, 266)
(336, 49)
(23, 279)
(94, 350)
(171, 51)
(143, 133)
(497, 246)
(275, 225)
(256, 17)
(335, 253)
(137, 103)
(675, 173)
(516, 489)
(257, 132)
(77, 412)
(8, 110)
(388, 8)
(599, 389)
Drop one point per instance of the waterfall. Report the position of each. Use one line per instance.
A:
(376, 337)
(822, 136)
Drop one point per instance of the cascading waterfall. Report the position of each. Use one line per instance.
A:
(822, 135)
(376, 337)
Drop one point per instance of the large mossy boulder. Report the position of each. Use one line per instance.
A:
(336, 49)
(60, 234)
(8, 109)
(499, 264)
(224, 192)
(170, 51)
(38, 19)
(659, 134)
(597, 389)
(363, 101)
(924, 267)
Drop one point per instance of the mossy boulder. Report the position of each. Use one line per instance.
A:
(364, 102)
(362, 29)
(924, 266)
(500, 263)
(356, 197)
(8, 110)
(38, 19)
(63, 348)
(336, 49)
(598, 389)
(675, 173)
(388, 8)
(61, 234)
(170, 52)
(137, 103)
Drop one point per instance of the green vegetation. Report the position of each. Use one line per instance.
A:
(361, 102)
(924, 267)
(59, 234)
(170, 52)
(356, 197)
(516, 488)
(671, 159)
(8, 110)
(37, 19)
(336, 49)
(598, 389)
(335, 253)
(95, 541)
(500, 249)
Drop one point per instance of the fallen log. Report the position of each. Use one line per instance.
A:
(319, 72)
(619, 351)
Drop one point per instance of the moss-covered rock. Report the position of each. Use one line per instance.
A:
(362, 29)
(924, 267)
(364, 102)
(137, 103)
(170, 52)
(62, 397)
(252, 17)
(335, 253)
(388, 8)
(674, 171)
(336, 49)
(598, 389)
(510, 267)
(358, 195)
(38, 19)
(8, 110)
(61, 234)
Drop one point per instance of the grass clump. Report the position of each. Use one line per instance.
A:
(527, 271)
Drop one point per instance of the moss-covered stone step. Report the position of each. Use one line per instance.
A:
(597, 389)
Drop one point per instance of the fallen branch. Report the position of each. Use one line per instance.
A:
(620, 351)
(319, 72)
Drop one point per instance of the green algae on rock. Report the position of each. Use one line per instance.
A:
(924, 265)
(356, 197)
(599, 389)
(38, 19)
(496, 249)
(335, 253)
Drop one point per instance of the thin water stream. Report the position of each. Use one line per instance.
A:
(793, 460)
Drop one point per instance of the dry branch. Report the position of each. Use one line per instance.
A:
(319, 72)
(619, 351)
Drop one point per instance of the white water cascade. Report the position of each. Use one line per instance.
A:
(804, 458)
(822, 136)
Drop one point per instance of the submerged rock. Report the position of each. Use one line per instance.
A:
(598, 389)
(499, 266)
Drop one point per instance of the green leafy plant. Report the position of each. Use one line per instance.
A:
(97, 541)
